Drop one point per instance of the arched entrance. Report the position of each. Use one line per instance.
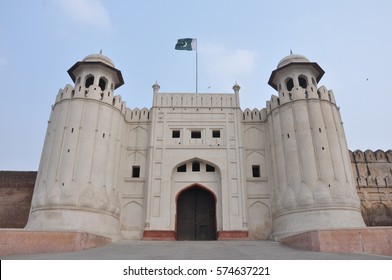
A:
(196, 218)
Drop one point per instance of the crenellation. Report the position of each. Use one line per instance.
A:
(331, 96)
(369, 156)
(93, 92)
(255, 115)
(196, 100)
(65, 93)
(373, 174)
(284, 97)
(274, 102)
(323, 93)
(137, 115)
(311, 91)
(298, 93)
(389, 156)
(374, 166)
(247, 115)
(380, 156)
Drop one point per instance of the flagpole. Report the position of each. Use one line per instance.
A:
(196, 65)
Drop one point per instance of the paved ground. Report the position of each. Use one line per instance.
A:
(196, 250)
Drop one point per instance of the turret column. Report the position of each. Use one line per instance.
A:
(305, 125)
(76, 188)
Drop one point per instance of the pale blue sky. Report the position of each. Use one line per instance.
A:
(239, 41)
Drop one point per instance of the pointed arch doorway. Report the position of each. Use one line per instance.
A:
(196, 214)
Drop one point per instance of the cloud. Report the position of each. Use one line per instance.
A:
(224, 66)
(86, 12)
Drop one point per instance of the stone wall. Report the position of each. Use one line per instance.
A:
(373, 174)
(16, 191)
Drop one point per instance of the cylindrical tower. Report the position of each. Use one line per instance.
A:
(76, 186)
(313, 186)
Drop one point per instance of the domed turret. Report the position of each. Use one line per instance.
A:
(99, 58)
(96, 69)
(77, 187)
(314, 185)
(295, 64)
(292, 58)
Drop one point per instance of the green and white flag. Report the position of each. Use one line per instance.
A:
(186, 44)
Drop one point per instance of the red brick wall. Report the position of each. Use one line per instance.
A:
(16, 191)
(373, 173)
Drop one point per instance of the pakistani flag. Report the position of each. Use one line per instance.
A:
(186, 44)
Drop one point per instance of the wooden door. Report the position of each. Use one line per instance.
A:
(196, 215)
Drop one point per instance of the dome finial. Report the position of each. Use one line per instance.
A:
(100, 52)
(291, 51)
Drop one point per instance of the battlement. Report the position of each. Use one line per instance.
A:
(92, 93)
(370, 156)
(373, 173)
(372, 168)
(299, 93)
(137, 115)
(254, 115)
(195, 100)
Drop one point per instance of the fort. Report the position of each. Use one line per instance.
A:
(196, 166)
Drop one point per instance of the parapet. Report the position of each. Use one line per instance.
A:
(369, 156)
(372, 169)
(92, 93)
(299, 93)
(137, 115)
(254, 115)
(196, 100)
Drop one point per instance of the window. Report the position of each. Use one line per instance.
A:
(195, 166)
(175, 134)
(135, 171)
(196, 134)
(210, 168)
(102, 84)
(181, 168)
(89, 81)
(289, 84)
(256, 171)
(303, 83)
(216, 134)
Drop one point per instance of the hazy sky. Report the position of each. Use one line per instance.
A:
(239, 41)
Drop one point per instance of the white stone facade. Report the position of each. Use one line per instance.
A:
(147, 173)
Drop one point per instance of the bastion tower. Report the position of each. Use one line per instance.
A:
(76, 186)
(313, 185)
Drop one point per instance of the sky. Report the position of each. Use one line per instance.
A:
(238, 41)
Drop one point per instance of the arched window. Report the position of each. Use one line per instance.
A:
(89, 81)
(102, 83)
(289, 84)
(195, 166)
(302, 81)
